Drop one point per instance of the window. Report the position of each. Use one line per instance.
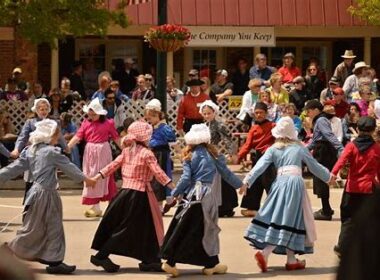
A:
(205, 61)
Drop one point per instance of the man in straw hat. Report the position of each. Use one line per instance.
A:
(354, 81)
(344, 69)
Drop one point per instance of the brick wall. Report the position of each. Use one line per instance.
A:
(7, 55)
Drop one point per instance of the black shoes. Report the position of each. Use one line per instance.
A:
(150, 267)
(107, 264)
(321, 216)
(61, 269)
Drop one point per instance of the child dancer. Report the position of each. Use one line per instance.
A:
(218, 131)
(41, 237)
(192, 237)
(96, 130)
(260, 139)
(132, 225)
(41, 109)
(285, 224)
(363, 155)
(162, 135)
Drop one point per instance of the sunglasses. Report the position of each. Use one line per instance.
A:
(192, 75)
(110, 98)
(149, 80)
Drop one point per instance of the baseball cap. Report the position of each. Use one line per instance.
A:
(222, 72)
(334, 80)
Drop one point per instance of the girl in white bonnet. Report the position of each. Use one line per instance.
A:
(41, 237)
(192, 237)
(285, 223)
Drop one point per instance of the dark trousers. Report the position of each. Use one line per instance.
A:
(252, 199)
(350, 205)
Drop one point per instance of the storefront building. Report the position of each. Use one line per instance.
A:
(235, 28)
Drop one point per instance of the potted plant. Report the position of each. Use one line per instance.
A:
(167, 37)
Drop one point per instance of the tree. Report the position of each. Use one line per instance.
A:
(367, 10)
(44, 21)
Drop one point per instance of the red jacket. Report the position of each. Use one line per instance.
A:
(259, 138)
(189, 108)
(288, 74)
(364, 167)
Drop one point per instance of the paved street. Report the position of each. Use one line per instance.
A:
(235, 251)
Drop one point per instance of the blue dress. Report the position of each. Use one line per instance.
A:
(283, 220)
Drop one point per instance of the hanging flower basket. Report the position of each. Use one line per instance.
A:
(167, 37)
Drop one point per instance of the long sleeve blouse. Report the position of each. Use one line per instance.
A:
(138, 166)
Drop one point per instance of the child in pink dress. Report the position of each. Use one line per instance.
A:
(132, 225)
(96, 130)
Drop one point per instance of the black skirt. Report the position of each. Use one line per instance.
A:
(326, 155)
(127, 228)
(162, 154)
(229, 199)
(183, 240)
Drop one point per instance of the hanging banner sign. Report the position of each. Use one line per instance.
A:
(231, 36)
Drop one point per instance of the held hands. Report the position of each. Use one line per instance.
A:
(181, 132)
(90, 182)
(332, 180)
(171, 185)
(14, 154)
(243, 189)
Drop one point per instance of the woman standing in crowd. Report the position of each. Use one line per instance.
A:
(363, 156)
(96, 130)
(41, 237)
(219, 133)
(192, 237)
(289, 70)
(41, 109)
(314, 84)
(285, 224)
(161, 138)
(278, 93)
(173, 94)
(132, 225)
(350, 123)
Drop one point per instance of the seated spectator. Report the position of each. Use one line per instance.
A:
(115, 87)
(273, 113)
(67, 95)
(278, 93)
(141, 91)
(55, 104)
(289, 70)
(206, 86)
(114, 107)
(336, 123)
(240, 78)
(314, 84)
(36, 92)
(344, 69)
(68, 130)
(363, 81)
(149, 80)
(221, 88)
(12, 93)
(104, 81)
(290, 110)
(20, 83)
(327, 93)
(261, 70)
(341, 106)
(299, 94)
(365, 98)
(351, 84)
(173, 94)
(350, 123)
(250, 97)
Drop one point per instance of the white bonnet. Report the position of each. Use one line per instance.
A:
(39, 100)
(154, 104)
(211, 104)
(45, 129)
(285, 129)
(198, 134)
(96, 106)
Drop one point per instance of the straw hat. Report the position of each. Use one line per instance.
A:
(359, 65)
(348, 54)
(95, 106)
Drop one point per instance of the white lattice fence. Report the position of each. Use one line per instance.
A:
(18, 113)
